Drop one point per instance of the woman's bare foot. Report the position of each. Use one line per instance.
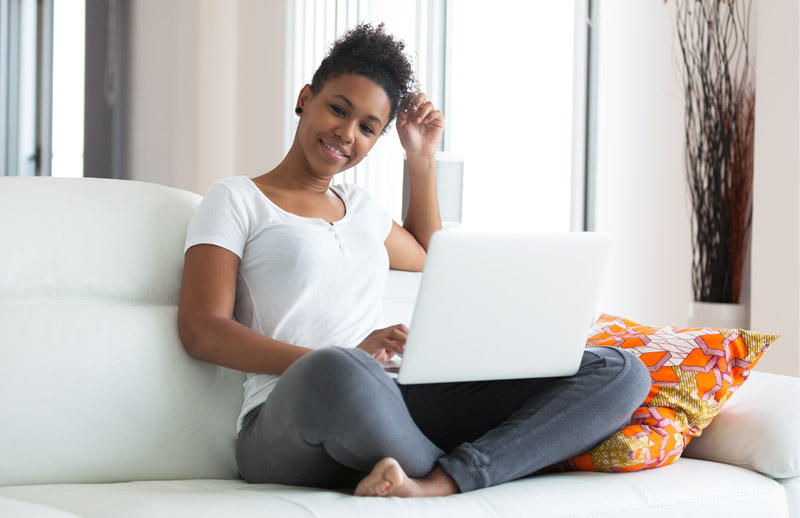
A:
(387, 478)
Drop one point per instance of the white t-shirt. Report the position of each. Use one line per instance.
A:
(301, 280)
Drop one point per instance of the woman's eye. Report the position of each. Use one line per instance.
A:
(366, 129)
(337, 110)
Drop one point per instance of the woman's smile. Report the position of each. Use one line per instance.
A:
(340, 123)
(333, 151)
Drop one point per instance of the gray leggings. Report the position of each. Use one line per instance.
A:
(334, 414)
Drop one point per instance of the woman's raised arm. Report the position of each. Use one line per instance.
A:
(420, 128)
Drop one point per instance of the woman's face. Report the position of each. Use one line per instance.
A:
(341, 123)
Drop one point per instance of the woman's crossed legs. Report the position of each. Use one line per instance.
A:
(335, 416)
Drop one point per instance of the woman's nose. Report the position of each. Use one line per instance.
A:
(346, 131)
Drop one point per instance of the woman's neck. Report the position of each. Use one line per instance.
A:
(296, 175)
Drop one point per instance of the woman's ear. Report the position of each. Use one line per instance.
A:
(304, 97)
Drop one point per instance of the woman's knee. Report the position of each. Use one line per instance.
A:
(333, 361)
(337, 372)
(625, 371)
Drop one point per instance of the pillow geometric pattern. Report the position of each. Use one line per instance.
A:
(694, 372)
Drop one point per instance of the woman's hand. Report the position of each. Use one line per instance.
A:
(383, 344)
(420, 126)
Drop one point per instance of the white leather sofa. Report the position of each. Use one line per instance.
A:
(105, 415)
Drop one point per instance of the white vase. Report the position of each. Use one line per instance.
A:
(719, 315)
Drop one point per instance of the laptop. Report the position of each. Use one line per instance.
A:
(503, 306)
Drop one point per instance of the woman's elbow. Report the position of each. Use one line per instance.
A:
(191, 336)
(413, 262)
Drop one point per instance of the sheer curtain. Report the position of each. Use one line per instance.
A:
(508, 78)
(317, 23)
(511, 106)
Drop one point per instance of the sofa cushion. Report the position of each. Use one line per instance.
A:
(759, 429)
(95, 385)
(792, 488)
(399, 297)
(664, 493)
(89, 239)
(105, 393)
(694, 372)
(12, 508)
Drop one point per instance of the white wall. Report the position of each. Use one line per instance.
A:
(776, 215)
(205, 90)
(641, 194)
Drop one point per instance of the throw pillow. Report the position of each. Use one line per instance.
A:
(694, 372)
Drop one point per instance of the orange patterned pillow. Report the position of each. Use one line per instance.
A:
(694, 372)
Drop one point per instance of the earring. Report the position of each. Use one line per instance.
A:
(298, 110)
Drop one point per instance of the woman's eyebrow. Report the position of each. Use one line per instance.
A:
(350, 104)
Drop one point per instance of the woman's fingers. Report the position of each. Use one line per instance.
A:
(419, 112)
(415, 101)
(390, 340)
(399, 329)
(396, 338)
(416, 108)
(434, 118)
(425, 114)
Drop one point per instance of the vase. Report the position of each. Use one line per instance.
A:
(719, 315)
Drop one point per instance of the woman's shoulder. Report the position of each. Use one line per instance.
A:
(354, 193)
(234, 196)
(234, 184)
(239, 190)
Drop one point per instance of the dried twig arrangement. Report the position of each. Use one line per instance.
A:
(720, 104)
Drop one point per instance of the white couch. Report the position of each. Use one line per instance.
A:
(105, 415)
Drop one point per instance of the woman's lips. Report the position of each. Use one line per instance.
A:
(334, 152)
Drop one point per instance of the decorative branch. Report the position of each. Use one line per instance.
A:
(719, 134)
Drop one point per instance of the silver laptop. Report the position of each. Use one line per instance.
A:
(503, 306)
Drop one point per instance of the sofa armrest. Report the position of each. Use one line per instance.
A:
(758, 429)
(400, 297)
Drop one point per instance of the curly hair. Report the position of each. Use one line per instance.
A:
(370, 52)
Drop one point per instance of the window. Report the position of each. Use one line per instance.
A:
(69, 30)
(510, 112)
(41, 88)
(317, 23)
(504, 77)
(24, 83)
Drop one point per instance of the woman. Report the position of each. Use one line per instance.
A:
(302, 264)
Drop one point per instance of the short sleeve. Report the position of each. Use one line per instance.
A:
(385, 221)
(221, 220)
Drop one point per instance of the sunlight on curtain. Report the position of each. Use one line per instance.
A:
(317, 24)
(503, 76)
(511, 112)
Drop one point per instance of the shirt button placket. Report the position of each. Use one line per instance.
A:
(342, 246)
(339, 239)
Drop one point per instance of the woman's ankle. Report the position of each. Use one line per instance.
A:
(439, 483)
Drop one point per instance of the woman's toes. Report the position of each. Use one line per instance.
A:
(386, 479)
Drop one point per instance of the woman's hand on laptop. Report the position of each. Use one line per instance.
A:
(383, 344)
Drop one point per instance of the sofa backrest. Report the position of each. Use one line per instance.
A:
(95, 385)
